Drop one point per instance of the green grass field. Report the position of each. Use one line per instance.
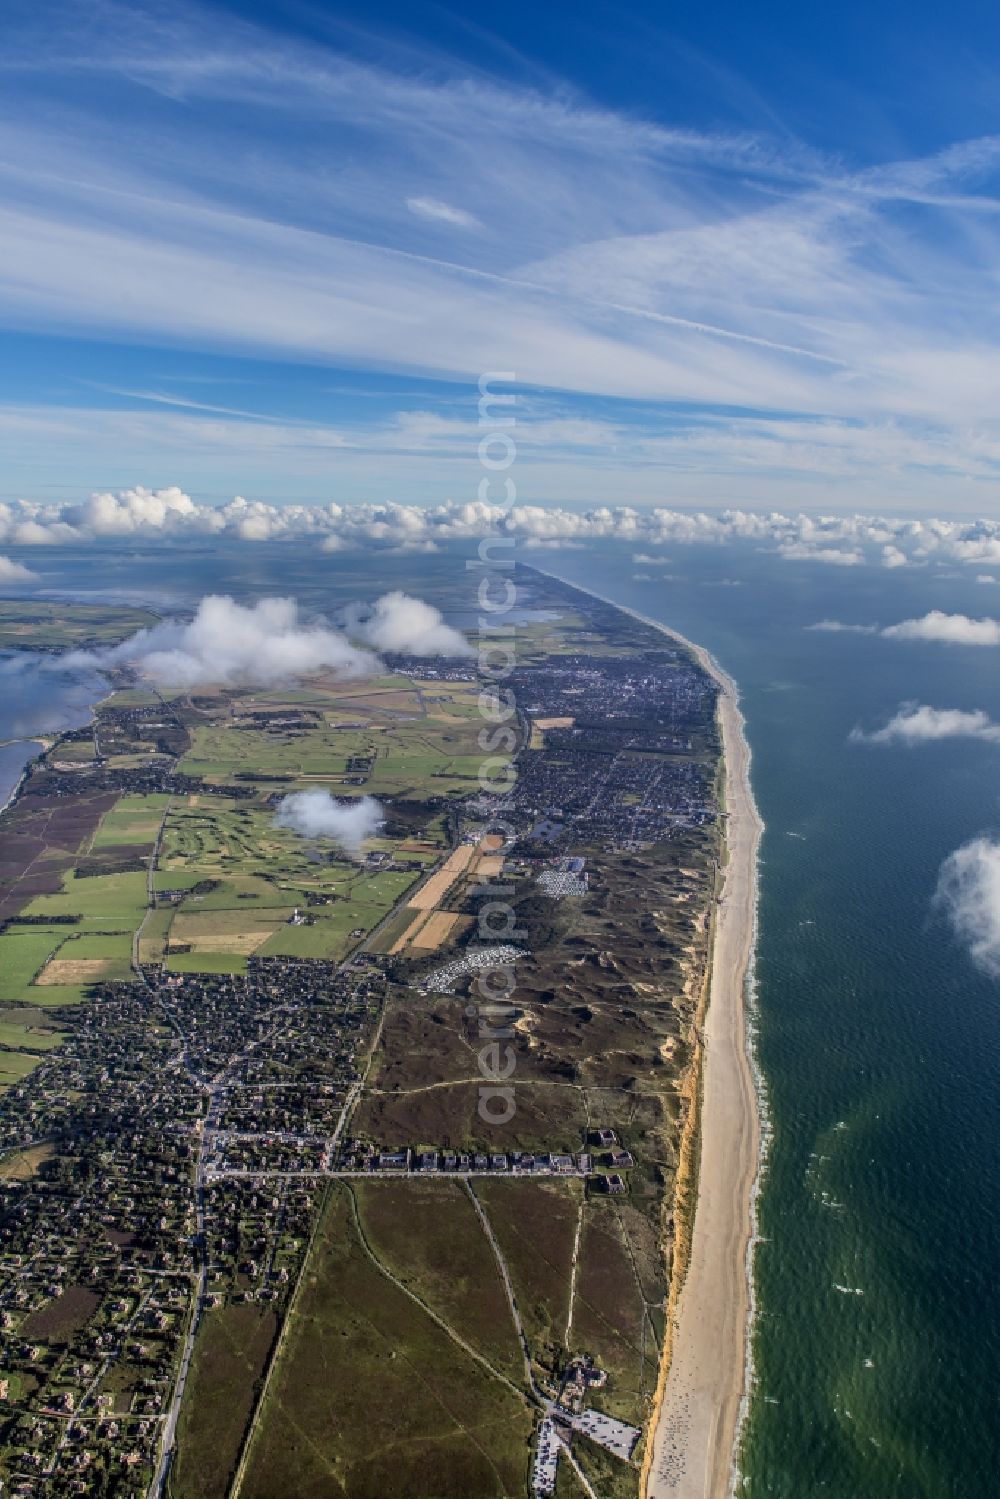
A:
(95, 899)
(205, 962)
(15, 1065)
(25, 1037)
(330, 936)
(422, 738)
(154, 935)
(54, 996)
(245, 876)
(259, 875)
(109, 907)
(135, 819)
(23, 951)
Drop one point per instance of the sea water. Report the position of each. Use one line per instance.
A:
(878, 1329)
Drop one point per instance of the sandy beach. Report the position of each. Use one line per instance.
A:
(701, 1393)
(700, 1404)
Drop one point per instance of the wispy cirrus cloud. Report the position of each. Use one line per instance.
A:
(205, 180)
(842, 627)
(442, 213)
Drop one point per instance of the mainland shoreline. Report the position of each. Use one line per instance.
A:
(705, 1372)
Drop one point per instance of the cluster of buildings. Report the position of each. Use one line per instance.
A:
(564, 877)
(363, 1156)
(629, 765)
(276, 1154)
(479, 959)
(124, 1233)
(568, 1416)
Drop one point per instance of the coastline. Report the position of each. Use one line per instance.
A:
(9, 796)
(704, 1381)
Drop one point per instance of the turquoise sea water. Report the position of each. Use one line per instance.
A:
(878, 1333)
(877, 1342)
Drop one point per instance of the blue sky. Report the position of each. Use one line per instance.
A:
(747, 256)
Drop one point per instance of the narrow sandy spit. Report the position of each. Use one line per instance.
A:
(700, 1401)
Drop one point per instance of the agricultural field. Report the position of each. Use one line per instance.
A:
(43, 838)
(36, 962)
(153, 937)
(97, 943)
(414, 738)
(100, 899)
(228, 881)
(26, 1029)
(73, 927)
(34, 625)
(24, 952)
(247, 878)
(134, 820)
(426, 927)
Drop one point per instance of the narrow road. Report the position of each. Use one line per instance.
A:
(445, 1327)
(498, 1255)
(150, 877)
(572, 1272)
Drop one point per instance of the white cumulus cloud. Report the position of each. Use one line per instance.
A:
(950, 629)
(317, 814)
(169, 514)
(399, 622)
(15, 572)
(916, 723)
(968, 891)
(264, 644)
